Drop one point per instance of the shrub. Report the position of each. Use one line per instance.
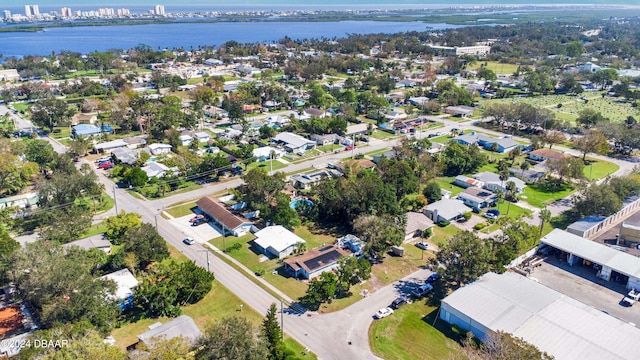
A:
(444, 223)
(480, 226)
(426, 233)
(234, 247)
(467, 216)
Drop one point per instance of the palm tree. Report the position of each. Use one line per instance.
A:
(524, 166)
(545, 217)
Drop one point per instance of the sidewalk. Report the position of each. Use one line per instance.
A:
(251, 274)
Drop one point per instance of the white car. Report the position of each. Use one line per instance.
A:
(422, 245)
(189, 241)
(384, 312)
(491, 216)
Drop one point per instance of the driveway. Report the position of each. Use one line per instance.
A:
(201, 233)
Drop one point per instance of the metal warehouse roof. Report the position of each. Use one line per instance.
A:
(595, 252)
(559, 325)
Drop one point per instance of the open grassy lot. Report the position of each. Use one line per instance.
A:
(330, 147)
(496, 67)
(599, 169)
(409, 334)
(538, 196)
(182, 210)
(613, 108)
(267, 165)
(447, 184)
(441, 235)
(382, 135)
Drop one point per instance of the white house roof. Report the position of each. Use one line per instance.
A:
(125, 281)
(595, 252)
(202, 135)
(155, 169)
(159, 146)
(181, 326)
(492, 178)
(293, 140)
(265, 151)
(448, 208)
(277, 237)
(559, 325)
(111, 144)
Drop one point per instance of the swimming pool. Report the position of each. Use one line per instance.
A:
(294, 204)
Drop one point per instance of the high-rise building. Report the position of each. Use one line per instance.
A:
(35, 9)
(66, 12)
(27, 10)
(7, 14)
(159, 10)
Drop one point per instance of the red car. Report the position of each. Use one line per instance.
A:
(349, 148)
(106, 165)
(199, 216)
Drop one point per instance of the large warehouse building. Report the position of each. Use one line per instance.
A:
(558, 325)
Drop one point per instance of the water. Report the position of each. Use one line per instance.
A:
(188, 35)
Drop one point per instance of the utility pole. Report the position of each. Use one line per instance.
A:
(208, 263)
(281, 320)
(115, 199)
(156, 217)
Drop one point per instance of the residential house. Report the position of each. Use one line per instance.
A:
(386, 155)
(314, 262)
(277, 121)
(492, 182)
(213, 62)
(125, 155)
(325, 139)
(352, 243)
(529, 176)
(504, 144)
(546, 154)
(158, 170)
(306, 181)
(9, 75)
(294, 143)
(355, 164)
(109, 146)
(477, 198)
(159, 149)
(446, 210)
(214, 111)
(276, 241)
(183, 326)
(459, 111)
(21, 201)
(87, 130)
(135, 142)
(185, 139)
(92, 242)
(202, 136)
(466, 182)
(266, 153)
(221, 216)
(125, 283)
(417, 223)
(315, 112)
(392, 116)
(81, 118)
(406, 83)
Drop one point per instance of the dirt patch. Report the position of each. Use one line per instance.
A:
(10, 320)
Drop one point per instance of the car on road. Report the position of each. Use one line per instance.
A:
(433, 278)
(349, 148)
(399, 302)
(382, 313)
(199, 216)
(199, 222)
(422, 290)
(189, 241)
(490, 216)
(422, 245)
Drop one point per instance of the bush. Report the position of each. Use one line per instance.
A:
(444, 223)
(426, 233)
(234, 247)
(260, 272)
(480, 226)
(467, 216)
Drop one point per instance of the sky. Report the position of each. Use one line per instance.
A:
(304, 2)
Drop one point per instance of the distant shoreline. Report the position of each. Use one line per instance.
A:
(499, 14)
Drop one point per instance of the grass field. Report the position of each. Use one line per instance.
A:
(613, 108)
(447, 184)
(536, 196)
(181, 210)
(409, 334)
(441, 235)
(267, 165)
(599, 169)
(381, 135)
(497, 67)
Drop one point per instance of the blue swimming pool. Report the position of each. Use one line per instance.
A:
(294, 204)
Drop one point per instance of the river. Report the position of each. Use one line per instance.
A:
(85, 39)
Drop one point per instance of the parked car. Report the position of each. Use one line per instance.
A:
(105, 165)
(422, 290)
(236, 170)
(496, 212)
(422, 245)
(382, 313)
(399, 302)
(349, 148)
(491, 216)
(199, 216)
(189, 241)
(433, 278)
(199, 222)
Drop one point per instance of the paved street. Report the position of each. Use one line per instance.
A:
(339, 335)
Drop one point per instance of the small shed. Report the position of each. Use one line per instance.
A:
(397, 251)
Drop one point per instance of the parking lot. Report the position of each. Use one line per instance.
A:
(579, 282)
(201, 234)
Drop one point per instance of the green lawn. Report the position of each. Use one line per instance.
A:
(536, 196)
(447, 184)
(599, 169)
(330, 147)
(181, 210)
(515, 211)
(381, 135)
(20, 106)
(497, 67)
(409, 334)
(62, 132)
(441, 235)
(267, 165)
